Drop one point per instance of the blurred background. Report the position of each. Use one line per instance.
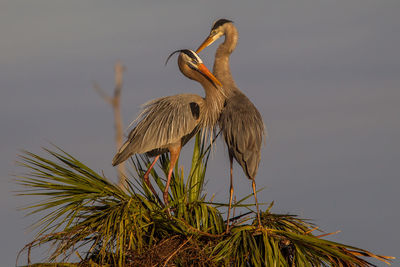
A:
(324, 74)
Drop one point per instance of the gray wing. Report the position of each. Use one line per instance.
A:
(243, 131)
(163, 121)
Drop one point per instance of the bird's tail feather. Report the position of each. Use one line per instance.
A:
(122, 155)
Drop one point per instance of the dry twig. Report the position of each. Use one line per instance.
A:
(115, 101)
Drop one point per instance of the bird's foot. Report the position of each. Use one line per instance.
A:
(228, 229)
(259, 228)
(169, 212)
(166, 202)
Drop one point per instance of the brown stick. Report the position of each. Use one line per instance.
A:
(115, 104)
(176, 251)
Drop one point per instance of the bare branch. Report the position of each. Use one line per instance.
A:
(102, 94)
(115, 103)
(119, 71)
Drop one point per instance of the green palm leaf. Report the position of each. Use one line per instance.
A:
(129, 226)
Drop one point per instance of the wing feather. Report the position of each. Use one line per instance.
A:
(162, 121)
(243, 131)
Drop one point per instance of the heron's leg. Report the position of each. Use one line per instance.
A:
(230, 192)
(147, 180)
(174, 151)
(255, 197)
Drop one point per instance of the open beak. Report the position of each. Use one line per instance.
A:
(203, 69)
(208, 41)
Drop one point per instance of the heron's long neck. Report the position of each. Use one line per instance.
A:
(214, 102)
(221, 67)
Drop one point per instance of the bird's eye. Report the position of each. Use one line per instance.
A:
(192, 64)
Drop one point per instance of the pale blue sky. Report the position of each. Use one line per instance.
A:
(324, 74)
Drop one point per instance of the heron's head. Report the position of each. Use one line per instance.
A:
(193, 67)
(218, 29)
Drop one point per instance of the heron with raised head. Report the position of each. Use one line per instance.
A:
(168, 123)
(240, 122)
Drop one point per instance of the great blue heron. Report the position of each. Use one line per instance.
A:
(168, 123)
(241, 123)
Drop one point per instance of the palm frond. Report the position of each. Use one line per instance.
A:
(129, 227)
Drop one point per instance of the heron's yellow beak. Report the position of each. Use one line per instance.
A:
(208, 41)
(203, 69)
